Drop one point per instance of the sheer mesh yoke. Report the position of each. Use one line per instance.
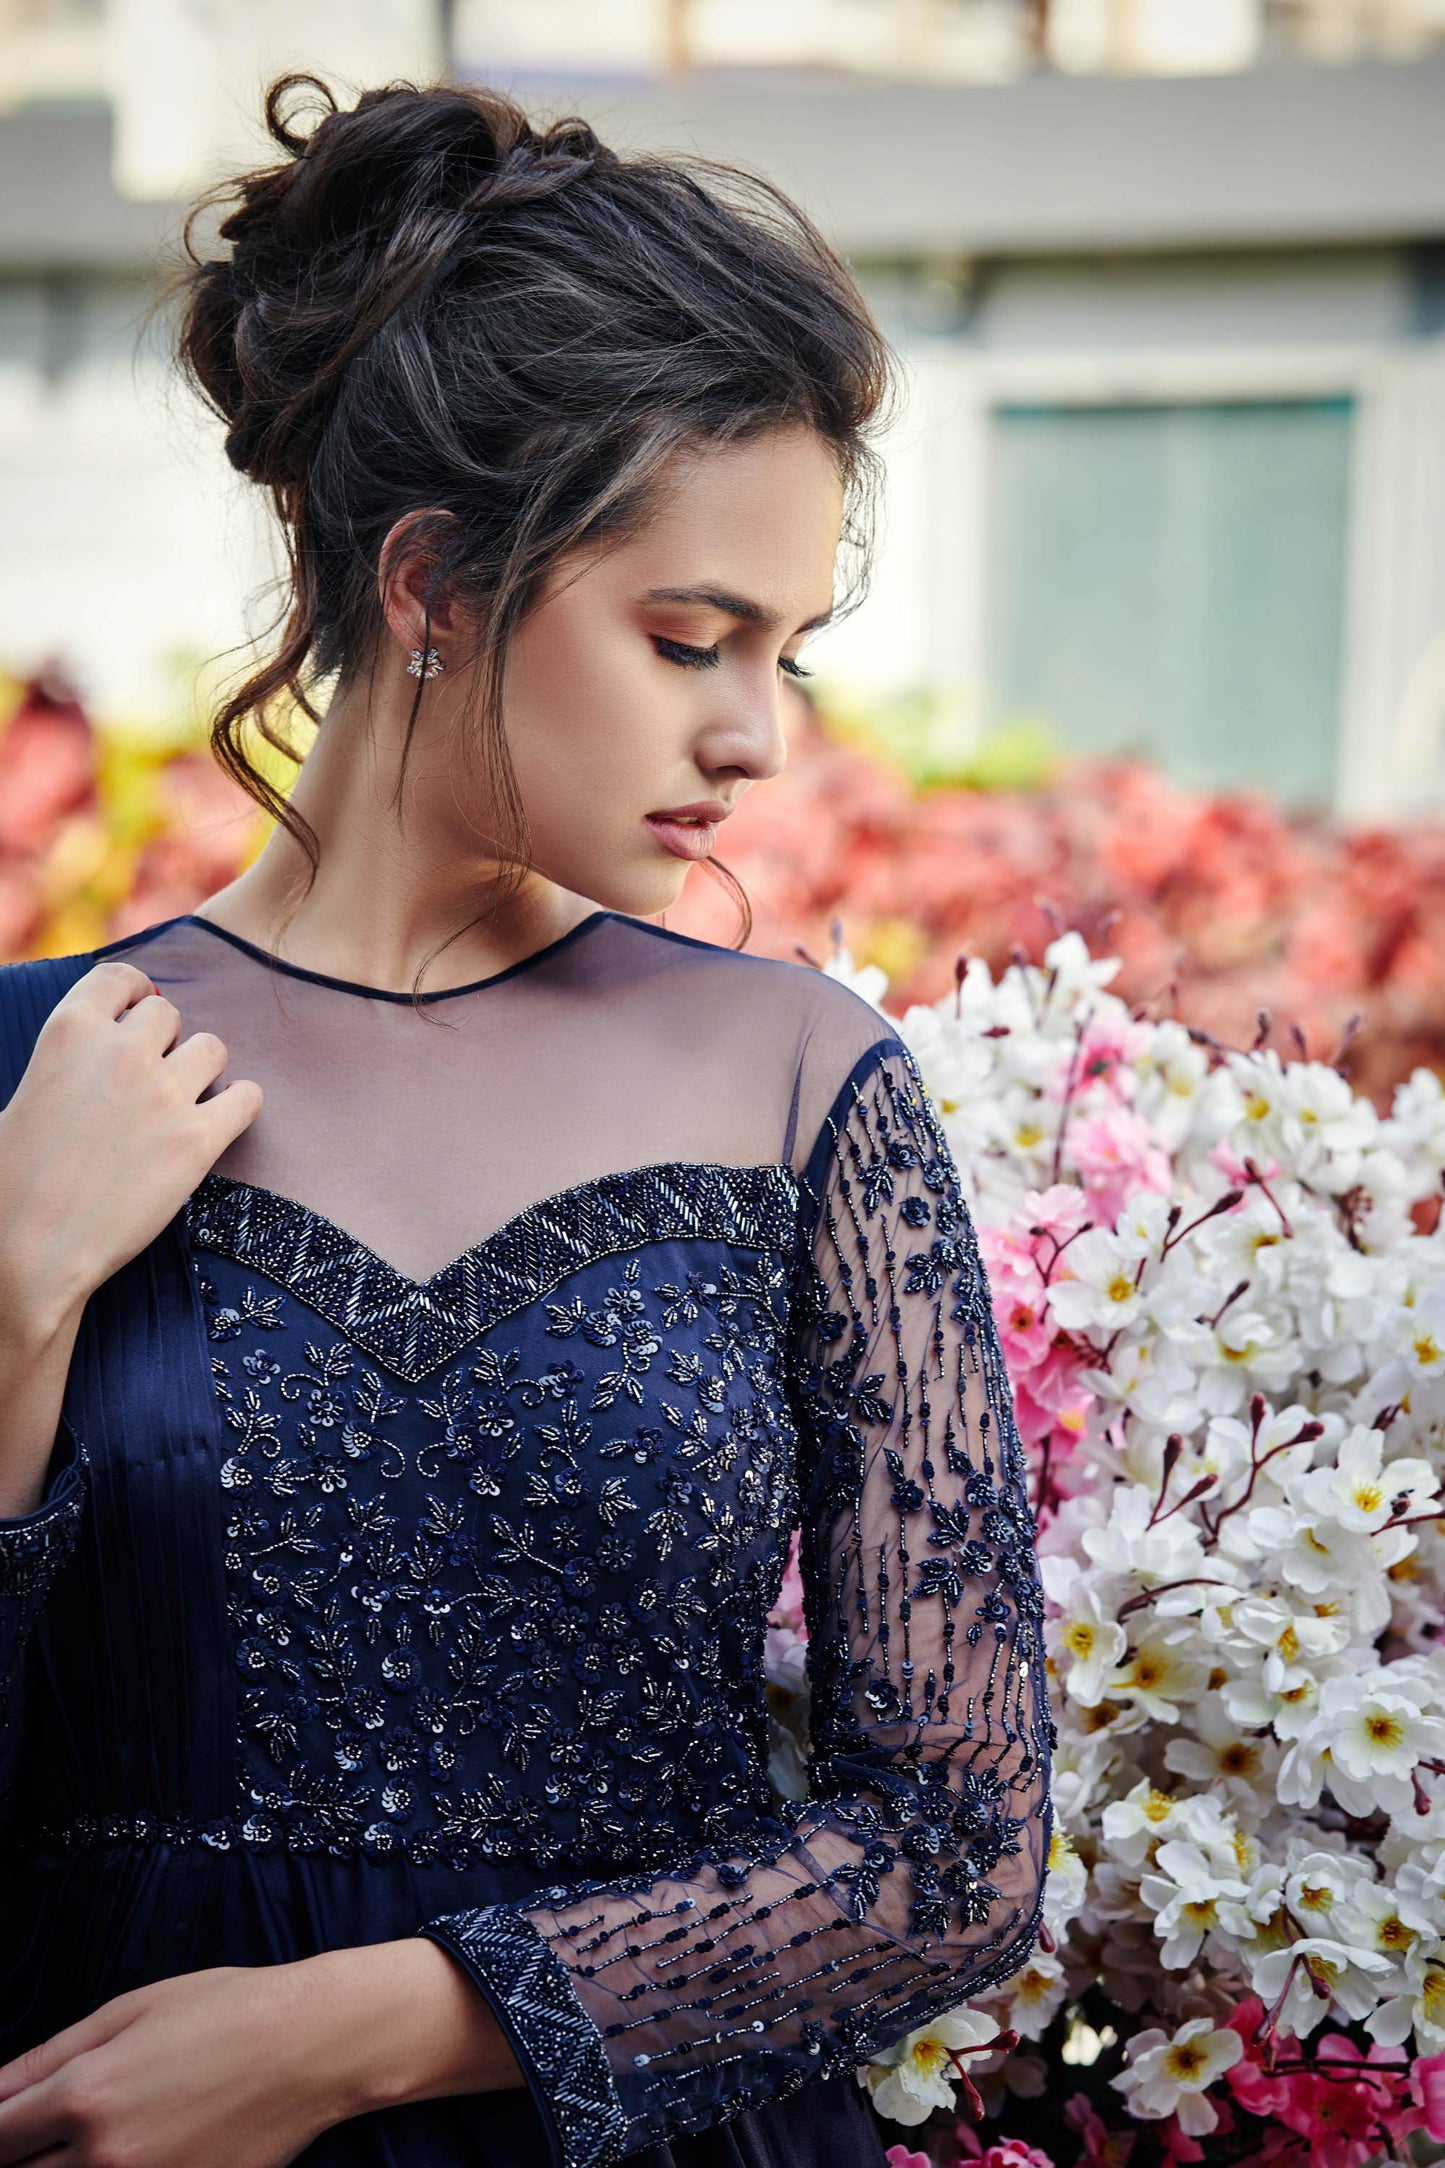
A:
(535, 1326)
(618, 1046)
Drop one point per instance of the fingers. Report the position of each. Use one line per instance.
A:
(197, 1061)
(37, 2119)
(230, 1112)
(49, 2056)
(154, 1015)
(111, 986)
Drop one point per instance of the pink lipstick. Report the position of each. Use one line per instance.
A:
(689, 831)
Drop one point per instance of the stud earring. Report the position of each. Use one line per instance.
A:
(424, 667)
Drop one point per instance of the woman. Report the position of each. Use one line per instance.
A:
(410, 1391)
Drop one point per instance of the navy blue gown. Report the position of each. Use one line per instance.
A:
(419, 1500)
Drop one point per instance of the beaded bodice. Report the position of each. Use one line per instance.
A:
(538, 1318)
(498, 1571)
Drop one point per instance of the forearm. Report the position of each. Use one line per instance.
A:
(392, 2022)
(35, 1353)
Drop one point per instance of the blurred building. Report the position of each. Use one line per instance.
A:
(1168, 277)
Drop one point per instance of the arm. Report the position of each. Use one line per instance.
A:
(42, 1464)
(101, 1140)
(912, 1878)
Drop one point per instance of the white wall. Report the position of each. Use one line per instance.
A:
(127, 539)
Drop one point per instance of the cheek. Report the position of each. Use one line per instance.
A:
(590, 726)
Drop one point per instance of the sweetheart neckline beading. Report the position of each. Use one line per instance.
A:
(413, 1325)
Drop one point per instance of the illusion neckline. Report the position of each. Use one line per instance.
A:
(387, 993)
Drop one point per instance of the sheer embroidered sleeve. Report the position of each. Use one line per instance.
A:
(910, 1879)
(33, 1547)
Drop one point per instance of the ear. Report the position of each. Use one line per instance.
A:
(405, 572)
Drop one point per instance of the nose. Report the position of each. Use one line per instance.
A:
(751, 741)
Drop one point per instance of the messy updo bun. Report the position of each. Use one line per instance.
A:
(429, 304)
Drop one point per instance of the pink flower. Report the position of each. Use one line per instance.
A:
(1104, 1056)
(1177, 2145)
(1261, 2092)
(1101, 2147)
(1232, 1167)
(898, 2156)
(788, 1610)
(1021, 1314)
(1052, 1392)
(1340, 2120)
(1427, 2091)
(1004, 2153)
(1116, 1156)
(1056, 1212)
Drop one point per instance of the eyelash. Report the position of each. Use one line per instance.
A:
(705, 658)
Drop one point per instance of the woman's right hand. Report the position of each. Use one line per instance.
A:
(103, 1140)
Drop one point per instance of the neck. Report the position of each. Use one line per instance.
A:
(395, 880)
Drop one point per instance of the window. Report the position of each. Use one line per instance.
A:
(1170, 579)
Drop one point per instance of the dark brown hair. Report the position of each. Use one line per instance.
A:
(431, 304)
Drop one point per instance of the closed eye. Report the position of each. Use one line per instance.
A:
(707, 658)
(691, 658)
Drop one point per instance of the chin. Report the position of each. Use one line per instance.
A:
(640, 892)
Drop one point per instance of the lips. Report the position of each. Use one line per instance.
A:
(689, 831)
(684, 838)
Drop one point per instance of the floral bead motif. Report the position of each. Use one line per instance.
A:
(514, 1611)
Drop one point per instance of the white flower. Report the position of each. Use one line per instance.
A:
(1067, 1882)
(1415, 1128)
(1419, 1334)
(1246, 1244)
(1137, 1545)
(1289, 1633)
(1185, 1896)
(1421, 2009)
(1262, 1098)
(1219, 1751)
(1380, 1738)
(1321, 1121)
(1364, 1743)
(1169, 2076)
(1134, 1825)
(1080, 977)
(1380, 1918)
(865, 980)
(1036, 1994)
(1101, 1283)
(1319, 1971)
(913, 2077)
(1085, 1639)
(1361, 1491)
(1159, 1676)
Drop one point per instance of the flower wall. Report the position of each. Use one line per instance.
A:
(104, 830)
(1219, 1280)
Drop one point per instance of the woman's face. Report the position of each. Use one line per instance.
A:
(649, 680)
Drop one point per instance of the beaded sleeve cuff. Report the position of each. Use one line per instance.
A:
(555, 2042)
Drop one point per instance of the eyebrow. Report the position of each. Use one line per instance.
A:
(718, 598)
